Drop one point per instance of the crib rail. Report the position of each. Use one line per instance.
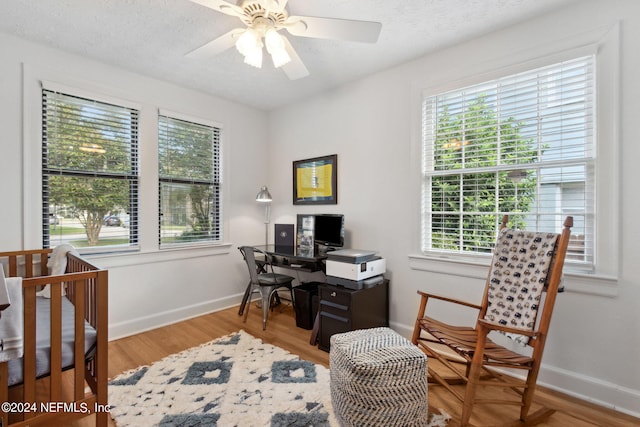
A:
(26, 263)
(85, 285)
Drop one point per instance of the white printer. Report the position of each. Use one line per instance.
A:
(354, 268)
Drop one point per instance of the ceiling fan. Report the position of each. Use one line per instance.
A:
(264, 19)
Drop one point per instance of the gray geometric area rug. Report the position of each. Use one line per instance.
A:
(235, 380)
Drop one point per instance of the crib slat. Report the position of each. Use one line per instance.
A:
(78, 358)
(28, 265)
(56, 343)
(44, 257)
(13, 265)
(29, 361)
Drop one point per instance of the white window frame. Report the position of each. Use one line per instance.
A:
(34, 80)
(221, 199)
(501, 91)
(132, 176)
(605, 43)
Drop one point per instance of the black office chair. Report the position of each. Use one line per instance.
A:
(266, 283)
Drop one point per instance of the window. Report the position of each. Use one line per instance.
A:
(521, 145)
(190, 181)
(89, 173)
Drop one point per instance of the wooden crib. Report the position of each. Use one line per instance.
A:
(64, 392)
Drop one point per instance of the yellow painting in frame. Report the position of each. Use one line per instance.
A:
(315, 181)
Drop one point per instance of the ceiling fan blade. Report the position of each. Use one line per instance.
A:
(294, 69)
(222, 6)
(216, 46)
(331, 28)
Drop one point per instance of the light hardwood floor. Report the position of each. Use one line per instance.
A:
(145, 348)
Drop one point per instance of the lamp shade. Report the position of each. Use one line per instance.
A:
(263, 195)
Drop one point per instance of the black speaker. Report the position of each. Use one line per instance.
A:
(284, 235)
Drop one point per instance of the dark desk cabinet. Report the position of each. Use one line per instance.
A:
(343, 310)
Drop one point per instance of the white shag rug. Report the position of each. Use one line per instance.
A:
(234, 380)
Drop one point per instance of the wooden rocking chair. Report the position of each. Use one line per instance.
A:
(523, 265)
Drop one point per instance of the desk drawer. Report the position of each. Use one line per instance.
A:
(336, 296)
(332, 323)
(335, 309)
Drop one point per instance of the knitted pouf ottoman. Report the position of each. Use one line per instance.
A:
(378, 378)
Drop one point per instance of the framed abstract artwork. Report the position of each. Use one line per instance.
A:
(315, 181)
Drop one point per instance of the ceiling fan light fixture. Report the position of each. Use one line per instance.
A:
(248, 42)
(273, 41)
(280, 58)
(254, 57)
(275, 46)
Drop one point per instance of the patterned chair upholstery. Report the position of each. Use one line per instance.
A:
(521, 262)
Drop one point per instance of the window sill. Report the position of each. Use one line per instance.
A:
(125, 259)
(578, 282)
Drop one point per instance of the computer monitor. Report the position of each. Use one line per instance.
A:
(329, 230)
(322, 229)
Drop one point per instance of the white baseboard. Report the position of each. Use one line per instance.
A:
(590, 389)
(146, 323)
(594, 390)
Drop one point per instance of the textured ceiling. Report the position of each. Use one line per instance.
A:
(151, 37)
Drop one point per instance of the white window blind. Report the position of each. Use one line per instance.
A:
(190, 182)
(521, 145)
(89, 173)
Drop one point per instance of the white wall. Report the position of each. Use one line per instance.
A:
(151, 287)
(374, 127)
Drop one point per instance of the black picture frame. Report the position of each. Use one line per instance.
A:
(315, 181)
